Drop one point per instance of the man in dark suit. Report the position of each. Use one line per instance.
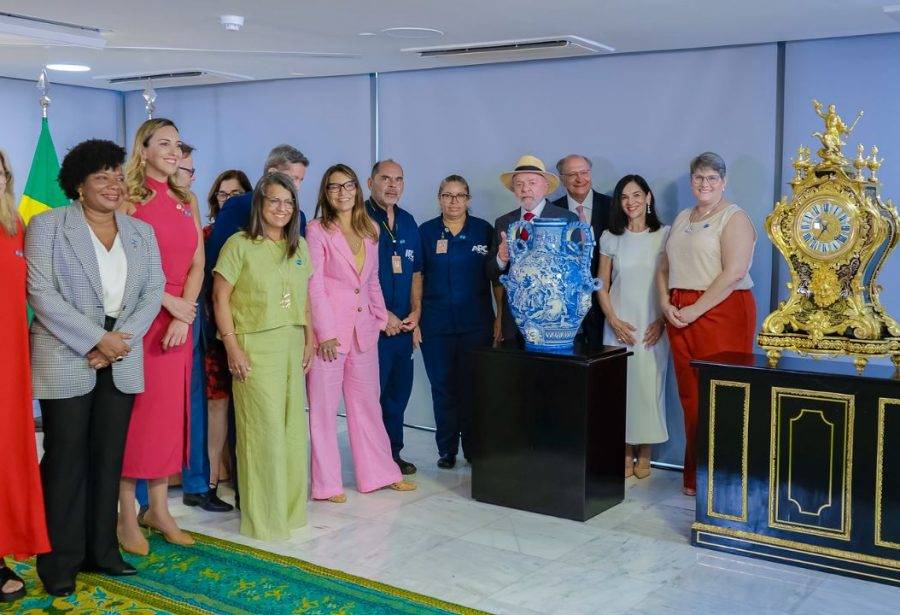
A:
(591, 207)
(530, 183)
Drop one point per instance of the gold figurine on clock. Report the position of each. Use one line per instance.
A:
(835, 234)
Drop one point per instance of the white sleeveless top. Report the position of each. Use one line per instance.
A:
(695, 251)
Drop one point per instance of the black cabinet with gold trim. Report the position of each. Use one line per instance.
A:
(800, 464)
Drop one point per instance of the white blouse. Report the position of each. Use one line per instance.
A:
(113, 270)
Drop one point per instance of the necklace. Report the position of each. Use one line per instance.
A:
(280, 260)
(691, 221)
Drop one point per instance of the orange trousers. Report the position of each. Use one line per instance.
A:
(728, 327)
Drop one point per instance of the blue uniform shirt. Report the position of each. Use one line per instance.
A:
(402, 240)
(456, 291)
(233, 217)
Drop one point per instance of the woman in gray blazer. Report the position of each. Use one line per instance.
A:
(95, 284)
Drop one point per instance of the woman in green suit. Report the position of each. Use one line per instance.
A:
(261, 307)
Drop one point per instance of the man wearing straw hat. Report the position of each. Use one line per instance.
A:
(530, 182)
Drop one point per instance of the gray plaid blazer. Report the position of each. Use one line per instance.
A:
(65, 292)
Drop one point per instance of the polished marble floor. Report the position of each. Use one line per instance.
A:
(634, 558)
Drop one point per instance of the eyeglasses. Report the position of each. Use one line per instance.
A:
(349, 186)
(190, 172)
(576, 174)
(450, 197)
(222, 195)
(712, 180)
(275, 203)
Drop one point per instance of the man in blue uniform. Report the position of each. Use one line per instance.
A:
(400, 275)
(233, 217)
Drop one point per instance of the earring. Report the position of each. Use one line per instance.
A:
(648, 208)
(143, 162)
(80, 195)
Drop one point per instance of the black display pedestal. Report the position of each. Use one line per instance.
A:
(549, 430)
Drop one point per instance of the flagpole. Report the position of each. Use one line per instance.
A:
(43, 86)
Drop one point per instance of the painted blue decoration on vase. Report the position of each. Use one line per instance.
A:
(549, 284)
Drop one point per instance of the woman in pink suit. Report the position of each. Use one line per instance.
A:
(348, 314)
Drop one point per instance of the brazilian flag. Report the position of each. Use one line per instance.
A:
(42, 191)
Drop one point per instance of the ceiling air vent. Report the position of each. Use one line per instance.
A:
(168, 78)
(49, 32)
(156, 76)
(523, 49)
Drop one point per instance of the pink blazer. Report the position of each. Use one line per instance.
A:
(342, 300)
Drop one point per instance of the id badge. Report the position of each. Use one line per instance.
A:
(396, 264)
(441, 246)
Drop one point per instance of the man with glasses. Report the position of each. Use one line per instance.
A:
(592, 208)
(530, 183)
(400, 275)
(234, 217)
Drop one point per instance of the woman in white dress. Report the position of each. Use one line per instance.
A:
(630, 250)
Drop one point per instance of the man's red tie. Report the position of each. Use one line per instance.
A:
(528, 217)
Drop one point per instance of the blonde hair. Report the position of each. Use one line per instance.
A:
(9, 215)
(135, 169)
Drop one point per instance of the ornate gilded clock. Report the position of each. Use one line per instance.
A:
(835, 234)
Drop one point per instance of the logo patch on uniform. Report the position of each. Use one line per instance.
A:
(480, 249)
(410, 255)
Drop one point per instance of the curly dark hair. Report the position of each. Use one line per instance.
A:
(86, 158)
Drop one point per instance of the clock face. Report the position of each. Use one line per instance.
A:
(824, 229)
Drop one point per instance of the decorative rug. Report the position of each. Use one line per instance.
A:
(218, 577)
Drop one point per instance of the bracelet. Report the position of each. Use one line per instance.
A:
(226, 335)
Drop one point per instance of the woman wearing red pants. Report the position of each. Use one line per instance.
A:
(704, 284)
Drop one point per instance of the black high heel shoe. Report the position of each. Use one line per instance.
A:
(7, 575)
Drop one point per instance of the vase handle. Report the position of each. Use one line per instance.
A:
(517, 245)
(583, 248)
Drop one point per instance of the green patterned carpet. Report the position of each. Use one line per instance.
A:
(216, 576)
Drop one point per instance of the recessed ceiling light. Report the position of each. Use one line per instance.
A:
(69, 68)
(366, 34)
(411, 32)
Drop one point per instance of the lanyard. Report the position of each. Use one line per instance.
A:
(389, 232)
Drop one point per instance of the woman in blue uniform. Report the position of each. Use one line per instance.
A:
(457, 313)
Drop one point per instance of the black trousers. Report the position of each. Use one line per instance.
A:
(84, 442)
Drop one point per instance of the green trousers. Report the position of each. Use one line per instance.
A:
(272, 434)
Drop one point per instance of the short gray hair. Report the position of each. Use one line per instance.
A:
(283, 155)
(562, 162)
(709, 160)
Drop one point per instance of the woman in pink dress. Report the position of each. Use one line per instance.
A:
(157, 437)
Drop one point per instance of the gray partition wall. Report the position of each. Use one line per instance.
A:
(75, 114)
(234, 126)
(641, 113)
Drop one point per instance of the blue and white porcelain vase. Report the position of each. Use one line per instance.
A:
(549, 284)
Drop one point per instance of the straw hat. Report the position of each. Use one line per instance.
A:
(530, 164)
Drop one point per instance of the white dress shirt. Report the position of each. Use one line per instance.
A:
(536, 211)
(588, 205)
(113, 267)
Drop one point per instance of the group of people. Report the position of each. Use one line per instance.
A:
(148, 324)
